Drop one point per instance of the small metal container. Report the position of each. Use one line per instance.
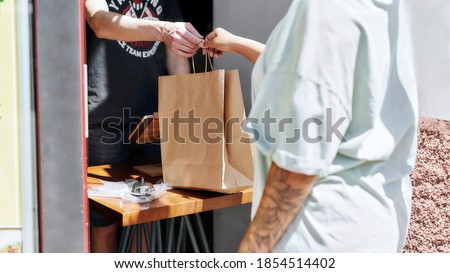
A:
(142, 188)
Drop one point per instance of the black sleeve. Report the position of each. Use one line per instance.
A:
(172, 11)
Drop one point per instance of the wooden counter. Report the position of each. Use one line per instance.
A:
(174, 203)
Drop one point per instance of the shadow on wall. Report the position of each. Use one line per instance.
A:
(430, 222)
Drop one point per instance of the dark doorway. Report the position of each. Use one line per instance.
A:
(200, 14)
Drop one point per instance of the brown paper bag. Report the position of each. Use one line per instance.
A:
(202, 143)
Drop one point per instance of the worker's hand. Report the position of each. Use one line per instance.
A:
(217, 42)
(181, 38)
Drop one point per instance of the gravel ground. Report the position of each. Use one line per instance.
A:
(430, 220)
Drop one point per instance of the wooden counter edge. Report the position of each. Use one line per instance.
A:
(167, 212)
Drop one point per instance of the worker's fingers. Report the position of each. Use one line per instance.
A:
(193, 31)
(182, 47)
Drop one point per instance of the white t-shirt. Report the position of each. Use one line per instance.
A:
(336, 79)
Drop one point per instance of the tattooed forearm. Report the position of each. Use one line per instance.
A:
(282, 200)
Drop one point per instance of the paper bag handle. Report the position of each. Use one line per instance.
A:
(207, 60)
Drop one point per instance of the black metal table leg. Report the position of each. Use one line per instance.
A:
(191, 234)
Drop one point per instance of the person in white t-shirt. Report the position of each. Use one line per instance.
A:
(334, 117)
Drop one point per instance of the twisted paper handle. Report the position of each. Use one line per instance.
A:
(207, 60)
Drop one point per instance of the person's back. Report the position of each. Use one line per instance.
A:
(348, 68)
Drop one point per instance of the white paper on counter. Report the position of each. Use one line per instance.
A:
(120, 189)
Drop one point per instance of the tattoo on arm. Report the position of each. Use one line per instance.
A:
(282, 200)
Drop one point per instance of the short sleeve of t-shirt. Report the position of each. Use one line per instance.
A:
(299, 123)
(303, 88)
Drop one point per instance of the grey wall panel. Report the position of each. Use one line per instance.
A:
(60, 125)
(253, 19)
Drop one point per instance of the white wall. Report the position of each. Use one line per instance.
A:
(253, 19)
(431, 38)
